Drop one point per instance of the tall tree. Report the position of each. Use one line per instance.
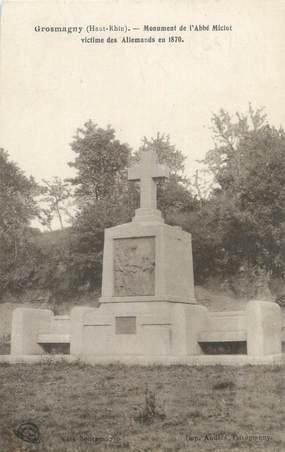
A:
(248, 207)
(101, 161)
(17, 191)
(55, 195)
(17, 208)
(166, 152)
(101, 194)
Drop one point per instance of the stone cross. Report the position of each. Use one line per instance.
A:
(148, 171)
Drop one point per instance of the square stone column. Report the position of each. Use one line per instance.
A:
(263, 328)
(27, 324)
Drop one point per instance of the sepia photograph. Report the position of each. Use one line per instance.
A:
(142, 225)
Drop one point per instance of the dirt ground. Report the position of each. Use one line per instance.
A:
(77, 407)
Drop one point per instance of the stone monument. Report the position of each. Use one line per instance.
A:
(148, 312)
(148, 304)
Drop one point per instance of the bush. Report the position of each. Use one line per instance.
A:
(150, 411)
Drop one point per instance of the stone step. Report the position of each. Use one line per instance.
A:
(222, 336)
(54, 339)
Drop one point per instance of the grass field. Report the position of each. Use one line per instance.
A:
(118, 408)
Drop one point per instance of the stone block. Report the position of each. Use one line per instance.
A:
(144, 329)
(196, 320)
(226, 326)
(263, 328)
(145, 262)
(77, 317)
(127, 328)
(27, 325)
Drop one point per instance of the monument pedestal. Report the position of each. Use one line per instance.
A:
(148, 305)
(143, 328)
(145, 262)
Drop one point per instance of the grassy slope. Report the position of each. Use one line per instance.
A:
(104, 402)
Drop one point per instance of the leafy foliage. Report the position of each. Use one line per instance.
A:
(238, 229)
(17, 208)
(55, 195)
(17, 205)
(102, 195)
(247, 211)
(101, 161)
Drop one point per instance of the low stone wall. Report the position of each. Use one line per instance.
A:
(224, 326)
(39, 300)
(148, 329)
(227, 321)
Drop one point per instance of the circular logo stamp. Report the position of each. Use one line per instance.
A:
(29, 432)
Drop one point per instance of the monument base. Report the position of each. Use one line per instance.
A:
(156, 328)
(150, 332)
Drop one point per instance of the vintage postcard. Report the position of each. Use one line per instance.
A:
(142, 237)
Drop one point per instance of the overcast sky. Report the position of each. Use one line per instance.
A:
(51, 83)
